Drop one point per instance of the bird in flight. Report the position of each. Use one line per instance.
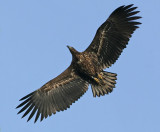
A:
(86, 68)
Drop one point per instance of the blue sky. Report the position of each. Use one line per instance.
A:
(33, 39)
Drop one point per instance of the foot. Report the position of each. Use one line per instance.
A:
(100, 76)
(97, 80)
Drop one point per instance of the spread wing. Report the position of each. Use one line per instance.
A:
(113, 35)
(56, 95)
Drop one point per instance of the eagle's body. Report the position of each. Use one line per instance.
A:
(86, 67)
(85, 63)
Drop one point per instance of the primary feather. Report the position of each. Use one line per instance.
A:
(113, 35)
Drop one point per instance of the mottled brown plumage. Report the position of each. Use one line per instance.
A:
(86, 68)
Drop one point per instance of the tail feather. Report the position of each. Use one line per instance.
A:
(107, 85)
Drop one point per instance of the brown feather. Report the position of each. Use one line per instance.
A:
(56, 95)
(113, 35)
(86, 67)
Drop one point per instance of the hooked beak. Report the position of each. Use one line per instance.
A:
(69, 47)
(72, 50)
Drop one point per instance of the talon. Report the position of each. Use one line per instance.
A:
(96, 79)
(100, 76)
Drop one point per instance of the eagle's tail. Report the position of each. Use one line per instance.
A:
(105, 82)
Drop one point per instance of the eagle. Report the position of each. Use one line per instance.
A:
(86, 68)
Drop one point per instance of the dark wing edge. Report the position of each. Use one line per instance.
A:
(113, 35)
(56, 95)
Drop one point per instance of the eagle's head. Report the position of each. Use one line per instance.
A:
(73, 51)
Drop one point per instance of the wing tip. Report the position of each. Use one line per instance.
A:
(123, 8)
(25, 97)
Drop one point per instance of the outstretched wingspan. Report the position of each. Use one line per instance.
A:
(86, 67)
(56, 95)
(113, 35)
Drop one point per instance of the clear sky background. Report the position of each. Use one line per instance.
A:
(33, 39)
